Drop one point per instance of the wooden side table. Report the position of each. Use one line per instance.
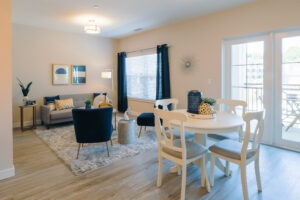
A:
(33, 107)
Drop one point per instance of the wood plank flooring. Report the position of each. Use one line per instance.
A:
(40, 175)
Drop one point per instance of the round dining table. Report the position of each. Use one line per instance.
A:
(221, 122)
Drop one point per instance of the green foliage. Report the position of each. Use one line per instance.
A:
(88, 101)
(25, 90)
(210, 101)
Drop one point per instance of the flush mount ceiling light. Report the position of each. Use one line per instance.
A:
(91, 27)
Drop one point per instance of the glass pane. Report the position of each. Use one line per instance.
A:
(141, 76)
(247, 73)
(291, 89)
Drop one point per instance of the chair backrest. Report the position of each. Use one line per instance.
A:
(166, 104)
(93, 125)
(254, 121)
(164, 130)
(237, 107)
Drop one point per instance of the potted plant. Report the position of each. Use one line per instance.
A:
(25, 90)
(88, 104)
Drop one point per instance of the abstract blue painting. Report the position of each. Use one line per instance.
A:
(78, 74)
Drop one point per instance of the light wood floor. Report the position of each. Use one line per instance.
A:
(42, 175)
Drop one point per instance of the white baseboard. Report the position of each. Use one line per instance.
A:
(7, 173)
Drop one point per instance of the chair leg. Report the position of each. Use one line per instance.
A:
(78, 151)
(212, 168)
(257, 173)
(160, 171)
(204, 178)
(227, 170)
(183, 181)
(140, 131)
(107, 149)
(244, 181)
(111, 142)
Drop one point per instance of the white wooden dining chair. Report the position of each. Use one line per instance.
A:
(242, 153)
(237, 107)
(171, 104)
(165, 103)
(180, 151)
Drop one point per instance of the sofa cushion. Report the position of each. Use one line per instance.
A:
(78, 99)
(98, 100)
(64, 104)
(61, 114)
(50, 99)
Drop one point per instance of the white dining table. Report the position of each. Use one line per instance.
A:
(222, 123)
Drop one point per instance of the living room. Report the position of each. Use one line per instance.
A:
(31, 51)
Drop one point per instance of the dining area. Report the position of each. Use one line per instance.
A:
(229, 134)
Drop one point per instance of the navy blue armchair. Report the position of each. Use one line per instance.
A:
(93, 126)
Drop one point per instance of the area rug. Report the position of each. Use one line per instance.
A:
(92, 156)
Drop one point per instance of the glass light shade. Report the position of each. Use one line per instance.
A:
(92, 27)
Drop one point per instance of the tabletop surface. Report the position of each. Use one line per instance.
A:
(222, 120)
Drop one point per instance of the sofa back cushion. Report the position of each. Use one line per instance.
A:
(78, 99)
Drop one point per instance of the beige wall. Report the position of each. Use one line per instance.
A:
(201, 40)
(36, 49)
(6, 147)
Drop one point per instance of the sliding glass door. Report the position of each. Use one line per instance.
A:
(287, 111)
(265, 72)
(246, 74)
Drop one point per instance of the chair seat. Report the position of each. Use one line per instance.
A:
(193, 149)
(146, 119)
(230, 148)
(224, 136)
(176, 134)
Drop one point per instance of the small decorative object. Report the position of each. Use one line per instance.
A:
(194, 100)
(206, 106)
(60, 74)
(88, 104)
(78, 74)
(25, 90)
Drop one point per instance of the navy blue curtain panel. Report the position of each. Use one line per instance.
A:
(163, 90)
(122, 83)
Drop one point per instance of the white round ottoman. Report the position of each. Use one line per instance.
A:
(126, 131)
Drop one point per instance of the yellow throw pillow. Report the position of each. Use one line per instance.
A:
(64, 104)
(104, 104)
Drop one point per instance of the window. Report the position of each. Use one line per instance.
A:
(141, 76)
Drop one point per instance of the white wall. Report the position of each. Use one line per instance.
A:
(36, 49)
(6, 147)
(201, 39)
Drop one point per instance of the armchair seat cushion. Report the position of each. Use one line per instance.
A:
(146, 119)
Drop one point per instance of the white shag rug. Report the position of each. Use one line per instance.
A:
(92, 156)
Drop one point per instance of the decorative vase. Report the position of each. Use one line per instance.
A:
(194, 100)
(25, 99)
(88, 106)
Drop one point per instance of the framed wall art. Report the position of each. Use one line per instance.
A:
(60, 74)
(78, 74)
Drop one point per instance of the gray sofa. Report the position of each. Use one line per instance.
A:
(50, 116)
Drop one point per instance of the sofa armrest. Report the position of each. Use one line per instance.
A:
(45, 114)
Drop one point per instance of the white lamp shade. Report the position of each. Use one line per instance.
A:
(106, 74)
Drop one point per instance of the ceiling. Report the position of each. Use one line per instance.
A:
(117, 18)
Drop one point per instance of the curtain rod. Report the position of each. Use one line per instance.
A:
(143, 49)
(140, 50)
